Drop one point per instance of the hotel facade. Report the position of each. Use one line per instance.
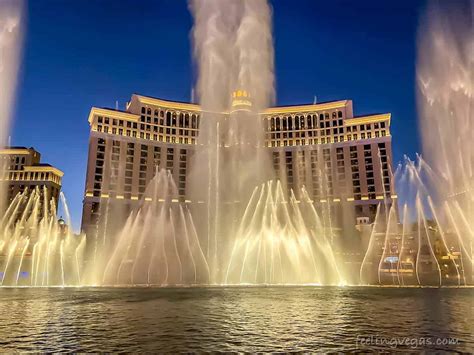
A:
(339, 158)
(21, 170)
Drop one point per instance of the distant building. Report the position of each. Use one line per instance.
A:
(21, 169)
(341, 159)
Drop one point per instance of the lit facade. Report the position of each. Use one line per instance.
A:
(21, 169)
(337, 157)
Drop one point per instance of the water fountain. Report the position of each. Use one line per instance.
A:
(434, 243)
(446, 81)
(234, 53)
(416, 243)
(242, 224)
(167, 241)
(159, 244)
(37, 249)
(10, 40)
(282, 240)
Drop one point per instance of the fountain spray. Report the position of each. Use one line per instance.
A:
(10, 48)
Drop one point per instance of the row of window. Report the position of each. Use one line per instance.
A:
(276, 139)
(12, 162)
(169, 138)
(322, 171)
(31, 176)
(172, 119)
(325, 132)
(310, 122)
(127, 171)
(301, 122)
(277, 142)
(173, 127)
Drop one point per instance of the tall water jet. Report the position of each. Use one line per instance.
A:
(445, 74)
(433, 243)
(10, 45)
(234, 53)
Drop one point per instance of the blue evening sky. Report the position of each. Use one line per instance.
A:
(79, 54)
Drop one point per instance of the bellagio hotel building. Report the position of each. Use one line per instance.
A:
(338, 157)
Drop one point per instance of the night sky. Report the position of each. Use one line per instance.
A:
(79, 54)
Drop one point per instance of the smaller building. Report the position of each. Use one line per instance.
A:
(21, 169)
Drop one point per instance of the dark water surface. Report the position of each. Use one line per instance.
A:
(236, 319)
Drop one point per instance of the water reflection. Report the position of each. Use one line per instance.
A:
(229, 319)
